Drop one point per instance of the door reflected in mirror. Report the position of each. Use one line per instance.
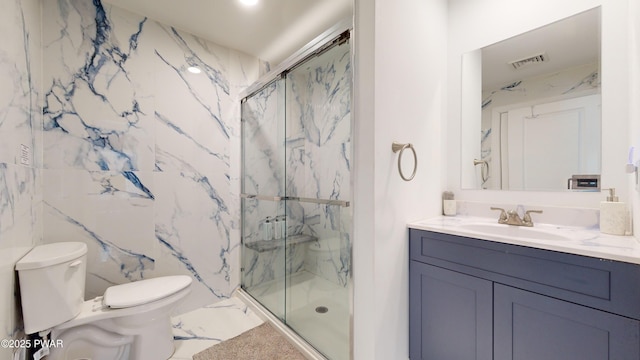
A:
(531, 108)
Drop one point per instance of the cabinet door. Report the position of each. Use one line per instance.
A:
(529, 326)
(450, 315)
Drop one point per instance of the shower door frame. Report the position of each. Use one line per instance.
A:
(341, 32)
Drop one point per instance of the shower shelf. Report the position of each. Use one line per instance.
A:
(269, 245)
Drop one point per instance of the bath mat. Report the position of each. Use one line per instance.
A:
(262, 342)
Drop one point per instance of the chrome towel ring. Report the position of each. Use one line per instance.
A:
(395, 147)
(484, 170)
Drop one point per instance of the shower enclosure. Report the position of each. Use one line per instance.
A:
(296, 189)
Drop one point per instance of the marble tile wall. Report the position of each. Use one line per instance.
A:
(141, 156)
(20, 116)
(577, 81)
(310, 157)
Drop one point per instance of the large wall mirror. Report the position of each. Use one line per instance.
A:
(531, 109)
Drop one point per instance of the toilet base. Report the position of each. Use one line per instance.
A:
(90, 342)
(142, 332)
(154, 341)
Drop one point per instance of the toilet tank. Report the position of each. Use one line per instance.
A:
(51, 281)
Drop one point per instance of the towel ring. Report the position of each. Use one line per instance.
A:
(484, 169)
(395, 147)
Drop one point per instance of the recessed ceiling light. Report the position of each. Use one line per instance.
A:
(249, 2)
(194, 70)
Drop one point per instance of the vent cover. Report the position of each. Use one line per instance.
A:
(535, 59)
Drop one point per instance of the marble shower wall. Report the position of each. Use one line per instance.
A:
(308, 157)
(20, 117)
(573, 82)
(319, 158)
(141, 157)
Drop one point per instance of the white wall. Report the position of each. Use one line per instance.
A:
(634, 104)
(474, 24)
(402, 95)
(400, 87)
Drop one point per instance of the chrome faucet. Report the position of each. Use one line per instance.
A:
(512, 217)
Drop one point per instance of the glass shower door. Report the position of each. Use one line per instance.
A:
(263, 254)
(318, 182)
(296, 186)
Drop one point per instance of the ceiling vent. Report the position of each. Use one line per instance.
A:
(535, 59)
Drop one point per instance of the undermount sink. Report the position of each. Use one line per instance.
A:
(512, 231)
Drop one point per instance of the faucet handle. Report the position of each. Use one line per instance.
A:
(527, 218)
(503, 214)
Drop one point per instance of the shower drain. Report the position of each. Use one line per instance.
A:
(322, 309)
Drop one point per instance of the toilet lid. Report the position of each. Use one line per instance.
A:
(144, 291)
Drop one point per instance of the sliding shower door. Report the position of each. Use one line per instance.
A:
(296, 213)
(263, 179)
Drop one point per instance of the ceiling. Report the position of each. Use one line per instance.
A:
(271, 30)
(566, 43)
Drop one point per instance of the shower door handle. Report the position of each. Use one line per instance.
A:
(342, 203)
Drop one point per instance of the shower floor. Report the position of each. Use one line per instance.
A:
(317, 310)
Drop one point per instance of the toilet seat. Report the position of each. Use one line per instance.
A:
(143, 291)
(95, 310)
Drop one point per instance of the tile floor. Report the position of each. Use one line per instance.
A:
(199, 329)
(327, 331)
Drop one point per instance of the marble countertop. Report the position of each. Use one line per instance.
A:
(575, 240)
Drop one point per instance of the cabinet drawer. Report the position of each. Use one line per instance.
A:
(602, 284)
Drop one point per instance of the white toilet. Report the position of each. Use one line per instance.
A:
(130, 321)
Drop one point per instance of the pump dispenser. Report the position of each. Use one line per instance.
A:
(614, 216)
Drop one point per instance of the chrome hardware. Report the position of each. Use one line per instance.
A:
(297, 198)
(395, 147)
(512, 217)
(527, 218)
(503, 215)
(484, 170)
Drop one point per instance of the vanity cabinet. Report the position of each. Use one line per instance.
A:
(451, 314)
(482, 300)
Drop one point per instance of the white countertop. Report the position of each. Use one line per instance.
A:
(580, 241)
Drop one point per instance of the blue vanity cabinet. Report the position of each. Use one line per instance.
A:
(451, 314)
(533, 326)
(477, 299)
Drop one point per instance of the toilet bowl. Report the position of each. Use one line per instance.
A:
(130, 321)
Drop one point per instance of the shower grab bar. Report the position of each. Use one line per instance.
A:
(297, 198)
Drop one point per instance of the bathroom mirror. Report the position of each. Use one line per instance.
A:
(531, 109)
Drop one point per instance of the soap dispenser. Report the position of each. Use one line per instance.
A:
(614, 216)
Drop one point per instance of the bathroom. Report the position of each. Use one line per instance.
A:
(407, 64)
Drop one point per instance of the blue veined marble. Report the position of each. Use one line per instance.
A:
(162, 237)
(214, 79)
(577, 81)
(572, 80)
(189, 172)
(137, 183)
(181, 132)
(209, 325)
(20, 117)
(300, 148)
(90, 89)
(132, 265)
(514, 86)
(591, 81)
(139, 150)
